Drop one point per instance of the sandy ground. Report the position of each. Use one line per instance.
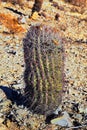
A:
(71, 24)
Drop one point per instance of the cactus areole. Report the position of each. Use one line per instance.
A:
(43, 54)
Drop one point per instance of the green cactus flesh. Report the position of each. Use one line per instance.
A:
(44, 69)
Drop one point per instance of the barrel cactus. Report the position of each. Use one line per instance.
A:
(43, 54)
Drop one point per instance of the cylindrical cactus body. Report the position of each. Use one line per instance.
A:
(44, 69)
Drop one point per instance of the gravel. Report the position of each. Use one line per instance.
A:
(14, 115)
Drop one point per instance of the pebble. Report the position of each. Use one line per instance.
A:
(18, 86)
(57, 16)
(58, 110)
(35, 16)
(64, 121)
(1, 120)
(82, 110)
(21, 20)
(78, 117)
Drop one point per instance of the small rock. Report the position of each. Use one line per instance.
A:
(63, 121)
(21, 20)
(57, 16)
(18, 86)
(82, 110)
(58, 111)
(50, 117)
(78, 117)
(1, 120)
(55, 4)
(35, 16)
(43, 14)
(85, 117)
(11, 52)
(61, 8)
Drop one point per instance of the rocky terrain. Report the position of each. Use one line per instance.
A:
(71, 23)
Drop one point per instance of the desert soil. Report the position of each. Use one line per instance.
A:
(71, 23)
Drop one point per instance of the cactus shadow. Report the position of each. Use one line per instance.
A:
(12, 95)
